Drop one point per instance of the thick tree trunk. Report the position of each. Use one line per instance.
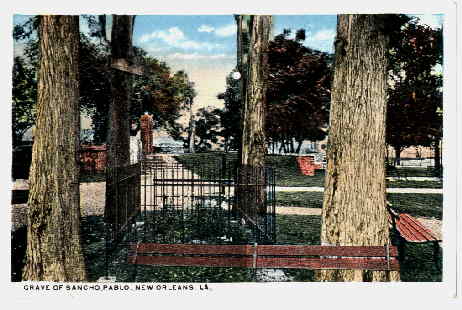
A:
(253, 147)
(54, 251)
(243, 45)
(354, 211)
(121, 81)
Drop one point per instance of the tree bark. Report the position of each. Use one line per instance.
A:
(243, 46)
(253, 147)
(54, 251)
(121, 81)
(354, 211)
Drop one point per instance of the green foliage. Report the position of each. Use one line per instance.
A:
(95, 86)
(415, 93)
(230, 116)
(161, 93)
(24, 98)
(298, 90)
(207, 128)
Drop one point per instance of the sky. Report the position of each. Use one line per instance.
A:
(205, 45)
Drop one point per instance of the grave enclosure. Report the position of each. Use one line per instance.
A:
(157, 202)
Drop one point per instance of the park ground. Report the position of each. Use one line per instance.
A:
(298, 207)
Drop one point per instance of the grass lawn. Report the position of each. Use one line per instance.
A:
(425, 205)
(411, 172)
(414, 184)
(288, 174)
(299, 199)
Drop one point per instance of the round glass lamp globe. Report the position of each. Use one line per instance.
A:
(236, 75)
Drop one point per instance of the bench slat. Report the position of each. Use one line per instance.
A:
(412, 230)
(275, 250)
(267, 256)
(327, 263)
(192, 261)
(353, 251)
(268, 262)
(188, 249)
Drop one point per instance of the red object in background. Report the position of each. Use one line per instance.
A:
(306, 165)
(146, 133)
(93, 158)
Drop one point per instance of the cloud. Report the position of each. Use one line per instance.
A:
(323, 35)
(170, 36)
(191, 56)
(205, 28)
(226, 31)
(176, 38)
(434, 21)
(322, 40)
(154, 49)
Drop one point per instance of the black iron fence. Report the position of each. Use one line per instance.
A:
(214, 203)
(157, 202)
(123, 192)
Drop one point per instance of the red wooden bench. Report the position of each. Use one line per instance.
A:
(266, 256)
(410, 229)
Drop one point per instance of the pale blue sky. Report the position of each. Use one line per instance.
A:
(213, 37)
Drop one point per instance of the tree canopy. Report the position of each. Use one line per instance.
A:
(24, 98)
(298, 90)
(415, 89)
(161, 93)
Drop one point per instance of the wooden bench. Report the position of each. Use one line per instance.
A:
(266, 256)
(410, 229)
